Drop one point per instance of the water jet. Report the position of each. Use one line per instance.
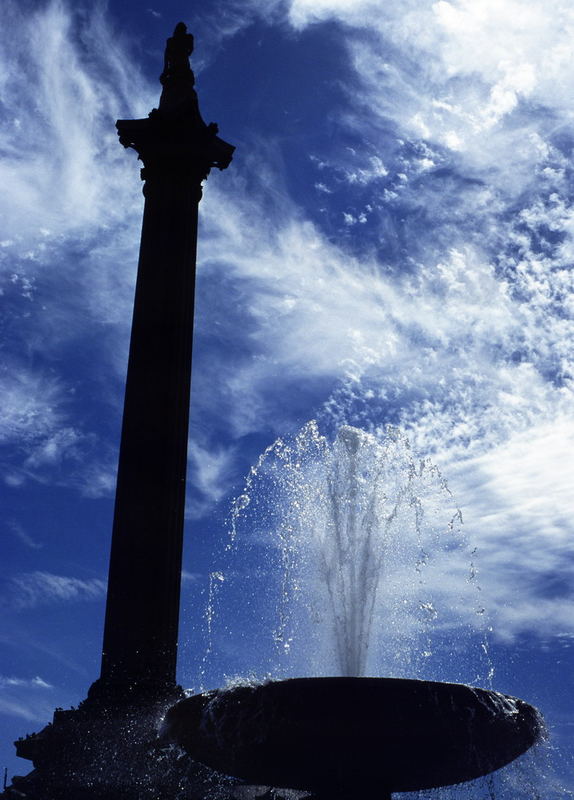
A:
(346, 507)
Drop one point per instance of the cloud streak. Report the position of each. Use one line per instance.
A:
(32, 683)
(32, 589)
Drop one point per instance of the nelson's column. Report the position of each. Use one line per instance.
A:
(105, 748)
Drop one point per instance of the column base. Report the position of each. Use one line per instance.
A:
(110, 751)
(107, 749)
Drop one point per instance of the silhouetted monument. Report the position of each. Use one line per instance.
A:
(102, 748)
(178, 150)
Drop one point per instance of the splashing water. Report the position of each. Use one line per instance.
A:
(354, 528)
(347, 558)
(215, 580)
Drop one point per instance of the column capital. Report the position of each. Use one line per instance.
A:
(174, 141)
(175, 145)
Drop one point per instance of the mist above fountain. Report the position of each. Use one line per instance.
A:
(369, 560)
(358, 524)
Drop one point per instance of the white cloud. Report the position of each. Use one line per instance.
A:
(65, 107)
(211, 469)
(36, 429)
(29, 699)
(30, 589)
(364, 175)
(27, 683)
(515, 49)
(31, 406)
(98, 478)
(449, 331)
(52, 448)
(517, 503)
(305, 12)
(27, 709)
(66, 100)
(72, 205)
(191, 577)
(22, 535)
(453, 72)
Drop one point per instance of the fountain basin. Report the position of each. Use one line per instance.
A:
(328, 734)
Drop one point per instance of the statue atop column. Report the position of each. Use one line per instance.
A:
(178, 49)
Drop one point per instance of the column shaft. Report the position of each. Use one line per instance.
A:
(141, 626)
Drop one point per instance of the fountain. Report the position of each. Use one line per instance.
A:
(347, 516)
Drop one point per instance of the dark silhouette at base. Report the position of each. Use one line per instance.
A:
(354, 737)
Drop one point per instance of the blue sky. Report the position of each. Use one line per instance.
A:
(392, 244)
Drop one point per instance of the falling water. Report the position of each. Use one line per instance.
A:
(373, 573)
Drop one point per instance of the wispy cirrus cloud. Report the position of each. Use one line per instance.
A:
(31, 589)
(22, 535)
(211, 470)
(59, 105)
(65, 79)
(517, 501)
(29, 699)
(26, 709)
(27, 683)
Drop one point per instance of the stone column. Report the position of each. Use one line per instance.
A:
(178, 150)
(105, 748)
